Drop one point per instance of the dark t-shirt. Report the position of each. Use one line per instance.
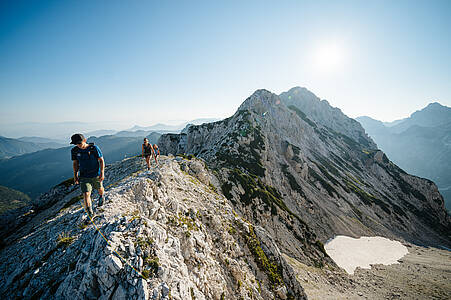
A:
(148, 149)
(88, 160)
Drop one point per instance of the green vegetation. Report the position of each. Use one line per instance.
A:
(135, 216)
(151, 264)
(183, 220)
(251, 164)
(272, 270)
(64, 240)
(12, 199)
(231, 230)
(82, 225)
(144, 243)
(247, 157)
(254, 188)
(212, 188)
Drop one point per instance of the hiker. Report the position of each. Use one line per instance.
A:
(147, 151)
(89, 168)
(156, 152)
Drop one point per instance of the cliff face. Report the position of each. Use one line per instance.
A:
(283, 168)
(161, 234)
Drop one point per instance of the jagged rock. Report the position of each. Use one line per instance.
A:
(113, 263)
(325, 171)
(175, 230)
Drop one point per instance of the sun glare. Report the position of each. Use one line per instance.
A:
(328, 57)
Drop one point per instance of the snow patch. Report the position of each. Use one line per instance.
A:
(350, 253)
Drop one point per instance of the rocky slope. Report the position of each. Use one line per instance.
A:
(169, 234)
(292, 160)
(424, 134)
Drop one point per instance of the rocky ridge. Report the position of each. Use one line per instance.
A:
(288, 170)
(181, 236)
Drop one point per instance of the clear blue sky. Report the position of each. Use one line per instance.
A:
(143, 62)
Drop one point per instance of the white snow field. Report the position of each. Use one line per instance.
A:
(350, 253)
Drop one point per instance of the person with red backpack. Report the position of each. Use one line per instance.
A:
(89, 170)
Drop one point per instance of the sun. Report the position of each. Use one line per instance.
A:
(328, 57)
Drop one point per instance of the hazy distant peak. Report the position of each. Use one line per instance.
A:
(434, 105)
(368, 120)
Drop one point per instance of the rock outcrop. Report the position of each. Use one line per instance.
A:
(166, 233)
(292, 162)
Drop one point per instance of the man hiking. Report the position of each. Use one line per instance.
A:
(88, 161)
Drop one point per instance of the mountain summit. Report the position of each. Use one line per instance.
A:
(289, 160)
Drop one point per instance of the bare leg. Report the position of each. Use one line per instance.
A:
(148, 162)
(87, 201)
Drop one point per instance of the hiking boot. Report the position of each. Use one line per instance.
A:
(90, 212)
(101, 201)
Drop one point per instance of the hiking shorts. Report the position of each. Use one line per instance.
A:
(87, 184)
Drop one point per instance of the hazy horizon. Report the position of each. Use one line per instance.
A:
(86, 127)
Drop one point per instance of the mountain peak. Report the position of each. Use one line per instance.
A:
(323, 113)
(435, 106)
(260, 101)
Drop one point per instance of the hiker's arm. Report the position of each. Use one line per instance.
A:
(102, 168)
(75, 166)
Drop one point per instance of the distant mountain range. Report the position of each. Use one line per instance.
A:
(172, 128)
(34, 173)
(61, 133)
(33, 164)
(13, 147)
(420, 144)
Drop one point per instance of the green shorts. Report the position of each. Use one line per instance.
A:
(87, 184)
